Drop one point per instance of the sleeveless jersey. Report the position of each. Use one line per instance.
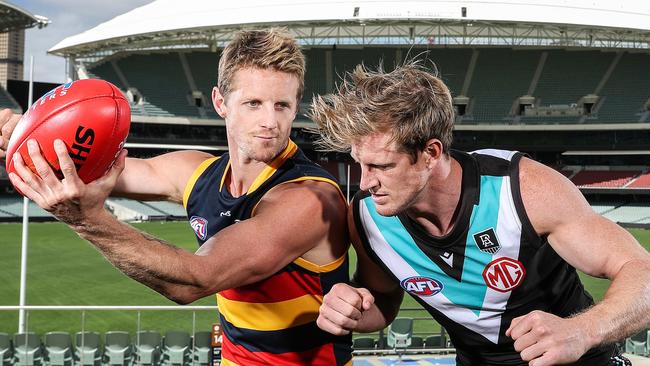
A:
(491, 268)
(273, 321)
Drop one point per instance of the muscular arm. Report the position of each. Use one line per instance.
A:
(367, 308)
(290, 221)
(593, 245)
(163, 177)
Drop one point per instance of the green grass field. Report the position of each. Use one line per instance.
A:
(65, 270)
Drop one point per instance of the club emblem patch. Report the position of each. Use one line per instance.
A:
(504, 274)
(200, 226)
(487, 242)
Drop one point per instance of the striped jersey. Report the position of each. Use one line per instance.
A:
(273, 321)
(491, 267)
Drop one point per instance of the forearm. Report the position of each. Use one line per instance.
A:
(382, 312)
(625, 308)
(148, 260)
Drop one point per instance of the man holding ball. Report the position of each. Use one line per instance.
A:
(269, 278)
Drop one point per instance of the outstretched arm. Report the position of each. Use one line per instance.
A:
(594, 245)
(370, 306)
(159, 178)
(238, 255)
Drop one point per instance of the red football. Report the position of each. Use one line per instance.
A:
(91, 116)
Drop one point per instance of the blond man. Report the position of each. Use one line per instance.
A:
(488, 242)
(288, 247)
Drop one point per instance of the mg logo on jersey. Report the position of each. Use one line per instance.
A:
(421, 286)
(200, 226)
(504, 274)
(487, 242)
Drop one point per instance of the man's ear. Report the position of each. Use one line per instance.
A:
(219, 102)
(433, 151)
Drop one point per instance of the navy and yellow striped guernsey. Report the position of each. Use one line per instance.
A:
(273, 321)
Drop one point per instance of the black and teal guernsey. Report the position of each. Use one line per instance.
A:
(491, 268)
(272, 321)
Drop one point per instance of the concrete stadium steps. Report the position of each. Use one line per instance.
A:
(169, 208)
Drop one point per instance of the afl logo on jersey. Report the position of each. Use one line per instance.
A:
(200, 226)
(504, 274)
(421, 286)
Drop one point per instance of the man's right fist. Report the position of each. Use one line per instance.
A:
(343, 307)
(8, 121)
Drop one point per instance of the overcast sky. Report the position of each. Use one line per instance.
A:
(68, 17)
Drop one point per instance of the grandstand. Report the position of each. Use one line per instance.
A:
(565, 84)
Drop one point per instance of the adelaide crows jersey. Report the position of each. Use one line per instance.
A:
(491, 268)
(273, 321)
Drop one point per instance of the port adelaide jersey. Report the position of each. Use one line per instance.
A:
(491, 268)
(273, 321)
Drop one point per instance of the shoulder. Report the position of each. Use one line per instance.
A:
(306, 195)
(550, 199)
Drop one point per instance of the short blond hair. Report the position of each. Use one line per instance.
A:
(272, 48)
(410, 103)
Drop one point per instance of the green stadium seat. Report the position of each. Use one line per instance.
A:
(638, 343)
(416, 342)
(58, 348)
(202, 343)
(28, 349)
(176, 348)
(400, 333)
(117, 349)
(435, 341)
(148, 348)
(6, 349)
(363, 343)
(87, 349)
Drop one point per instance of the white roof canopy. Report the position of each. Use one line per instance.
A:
(623, 21)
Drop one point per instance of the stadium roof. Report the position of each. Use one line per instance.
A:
(13, 17)
(170, 23)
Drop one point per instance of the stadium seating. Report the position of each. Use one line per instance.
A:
(148, 348)
(6, 349)
(435, 341)
(176, 348)
(7, 101)
(28, 349)
(626, 90)
(169, 208)
(13, 205)
(58, 349)
(117, 349)
(416, 342)
(638, 344)
(363, 343)
(201, 350)
(643, 181)
(603, 178)
(87, 351)
(493, 83)
(400, 333)
(630, 213)
(492, 95)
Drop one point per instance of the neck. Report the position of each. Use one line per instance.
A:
(243, 172)
(435, 209)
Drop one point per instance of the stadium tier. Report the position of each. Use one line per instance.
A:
(643, 181)
(560, 82)
(604, 179)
